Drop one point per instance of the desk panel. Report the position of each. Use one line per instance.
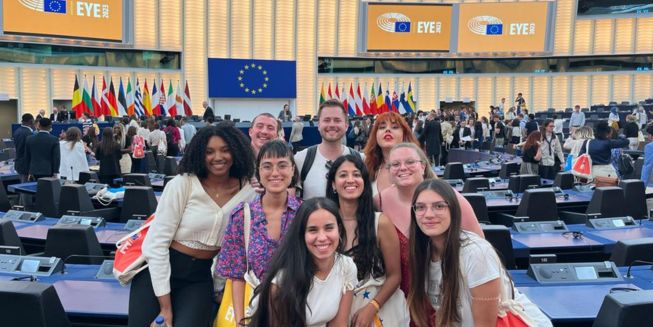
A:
(96, 298)
(551, 240)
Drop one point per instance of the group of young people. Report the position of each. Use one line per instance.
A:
(325, 237)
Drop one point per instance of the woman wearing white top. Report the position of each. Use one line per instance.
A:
(456, 272)
(309, 282)
(186, 234)
(73, 155)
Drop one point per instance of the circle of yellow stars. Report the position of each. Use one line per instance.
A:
(253, 90)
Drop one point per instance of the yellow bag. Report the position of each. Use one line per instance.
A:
(226, 315)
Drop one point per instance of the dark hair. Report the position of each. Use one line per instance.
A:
(366, 254)
(602, 130)
(242, 156)
(27, 119)
(131, 131)
(276, 149)
(171, 122)
(545, 124)
(649, 129)
(287, 306)
(45, 123)
(332, 103)
(73, 135)
(532, 139)
(107, 144)
(420, 257)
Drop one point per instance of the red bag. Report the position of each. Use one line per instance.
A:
(138, 147)
(129, 259)
(582, 166)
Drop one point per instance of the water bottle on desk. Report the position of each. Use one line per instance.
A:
(160, 322)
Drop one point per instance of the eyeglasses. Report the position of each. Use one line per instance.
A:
(281, 167)
(437, 207)
(410, 163)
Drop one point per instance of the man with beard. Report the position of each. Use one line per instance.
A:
(315, 161)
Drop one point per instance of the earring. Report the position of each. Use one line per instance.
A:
(334, 191)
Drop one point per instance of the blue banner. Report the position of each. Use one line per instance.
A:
(248, 78)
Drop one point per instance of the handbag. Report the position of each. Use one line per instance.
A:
(569, 162)
(138, 147)
(129, 259)
(394, 311)
(582, 165)
(600, 181)
(511, 313)
(226, 314)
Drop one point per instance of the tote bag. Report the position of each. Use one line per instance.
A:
(129, 259)
(582, 166)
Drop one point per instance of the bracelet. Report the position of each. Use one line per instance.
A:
(485, 298)
(376, 305)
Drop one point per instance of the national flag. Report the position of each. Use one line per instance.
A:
(179, 100)
(171, 106)
(106, 110)
(156, 107)
(86, 100)
(162, 99)
(366, 107)
(139, 109)
(380, 104)
(412, 104)
(113, 103)
(338, 93)
(188, 107)
(122, 100)
(329, 92)
(96, 99)
(322, 94)
(147, 101)
(359, 101)
(77, 99)
(351, 102)
(388, 103)
(130, 98)
(373, 106)
(395, 102)
(403, 105)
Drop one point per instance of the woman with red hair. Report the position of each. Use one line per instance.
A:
(389, 129)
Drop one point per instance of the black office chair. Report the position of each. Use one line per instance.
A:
(8, 235)
(64, 241)
(499, 237)
(136, 180)
(4, 156)
(170, 166)
(48, 190)
(538, 205)
(454, 170)
(475, 184)
(625, 309)
(139, 200)
(635, 196)
(150, 162)
(637, 168)
(4, 199)
(564, 180)
(160, 163)
(606, 201)
(477, 201)
(10, 152)
(508, 169)
(88, 177)
(33, 304)
(75, 198)
(626, 251)
(520, 183)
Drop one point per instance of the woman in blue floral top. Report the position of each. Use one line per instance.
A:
(271, 215)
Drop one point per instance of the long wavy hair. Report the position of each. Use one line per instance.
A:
(420, 258)
(532, 140)
(373, 152)
(294, 268)
(366, 254)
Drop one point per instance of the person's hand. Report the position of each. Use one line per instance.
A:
(167, 316)
(364, 317)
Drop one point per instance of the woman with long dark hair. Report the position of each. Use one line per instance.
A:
(309, 282)
(187, 232)
(270, 215)
(108, 153)
(373, 244)
(455, 272)
(551, 149)
(531, 154)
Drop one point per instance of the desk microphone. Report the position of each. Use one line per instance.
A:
(628, 275)
(104, 257)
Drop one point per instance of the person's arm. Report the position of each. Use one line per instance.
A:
(56, 158)
(619, 143)
(538, 154)
(343, 310)
(561, 155)
(485, 302)
(389, 246)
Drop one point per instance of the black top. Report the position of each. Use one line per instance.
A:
(42, 154)
(109, 162)
(529, 154)
(502, 130)
(631, 129)
(600, 150)
(20, 142)
(208, 113)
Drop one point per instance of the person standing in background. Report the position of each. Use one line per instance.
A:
(42, 152)
(20, 136)
(296, 133)
(501, 108)
(73, 155)
(432, 139)
(577, 119)
(188, 129)
(520, 103)
(208, 112)
(648, 157)
(558, 124)
(285, 115)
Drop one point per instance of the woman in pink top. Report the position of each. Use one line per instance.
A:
(408, 167)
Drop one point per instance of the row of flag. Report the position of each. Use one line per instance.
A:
(130, 101)
(357, 104)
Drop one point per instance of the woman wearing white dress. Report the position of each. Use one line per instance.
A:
(73, 155)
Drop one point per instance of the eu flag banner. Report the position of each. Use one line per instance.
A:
(248, 78)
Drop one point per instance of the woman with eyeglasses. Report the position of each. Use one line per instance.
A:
(270, 216)
(551, 150)
(389, 129)
(454, 271)
(407, 168)
(372, 242)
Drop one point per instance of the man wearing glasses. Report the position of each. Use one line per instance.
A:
(314, 162)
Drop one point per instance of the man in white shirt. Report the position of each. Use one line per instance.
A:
(502, 108)
(642, 118)
(558, 128)
(332, 124)
(577, 119)
(188, 129)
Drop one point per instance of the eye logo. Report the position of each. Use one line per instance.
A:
(394, 22)
(49, 6)
(485, 25)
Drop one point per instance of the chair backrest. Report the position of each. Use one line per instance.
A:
(150, 162)
(477, 201)
(88, 176)
(63, 241)
(136, 179)
(626, 251)
(160, 163)
(4, 199)
(508, 169)
(33, 304)
(625, 309)
(499, 237)
(48, 191)
(538, 205)
(10, 152)
(474, 184)
(637, 167)
(170, 166)
(74, 197)
(635, 196)
(139, 200)
(607, 201)
(520, 183)
(454, 170)
(8, 235)
(564, 180)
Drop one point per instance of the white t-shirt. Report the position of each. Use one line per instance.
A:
(479, 264)
(558, 126)
(315, 183)
(324, 297)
